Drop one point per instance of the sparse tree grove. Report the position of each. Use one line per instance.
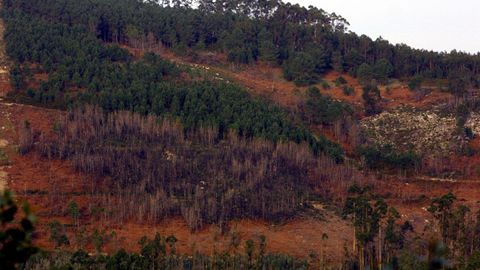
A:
(382, 241)
(159, 253)
(156, 169)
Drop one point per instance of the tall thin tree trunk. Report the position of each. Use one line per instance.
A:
(380, 247)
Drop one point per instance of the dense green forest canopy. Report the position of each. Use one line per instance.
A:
(306, 42)
(81, 69)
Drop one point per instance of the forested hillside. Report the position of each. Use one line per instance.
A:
(80, 69)
(188, 144)
(123, 116)
(306, 42)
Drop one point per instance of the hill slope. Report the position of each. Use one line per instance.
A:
(179, 146)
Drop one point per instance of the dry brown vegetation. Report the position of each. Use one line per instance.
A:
(50, 185)
(155, 171)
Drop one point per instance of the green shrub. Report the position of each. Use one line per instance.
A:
(462, 114)
(469, 133)
(365, 73)
(325, 85)
(301, 70)
(348, 90)
(340, 81)
(4, 161)
(415, 83)
(371, 98)
(388, 90)
(15, 233)
(467, 151)
(320, 109)
(305, 80)
(385, 157)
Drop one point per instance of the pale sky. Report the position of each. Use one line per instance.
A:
(440, 25)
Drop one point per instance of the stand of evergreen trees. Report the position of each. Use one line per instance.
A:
(81, 69)
(306, 42)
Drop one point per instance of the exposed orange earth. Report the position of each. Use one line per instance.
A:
(267, 81)
(49, 185)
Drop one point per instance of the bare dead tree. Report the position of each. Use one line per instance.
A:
(156, 170)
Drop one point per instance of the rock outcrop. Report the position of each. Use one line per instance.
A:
(428, 132)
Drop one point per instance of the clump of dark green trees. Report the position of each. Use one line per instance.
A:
(107, 76)
(306, 42)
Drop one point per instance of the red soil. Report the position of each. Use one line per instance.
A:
(399, 95)
(299, 238)
(337, 92)
(5, 87)
(469, 166)
(267, 81)
(260, 78)
(393, 95)
(50, 185)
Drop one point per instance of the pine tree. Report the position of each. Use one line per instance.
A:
(371, 98)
